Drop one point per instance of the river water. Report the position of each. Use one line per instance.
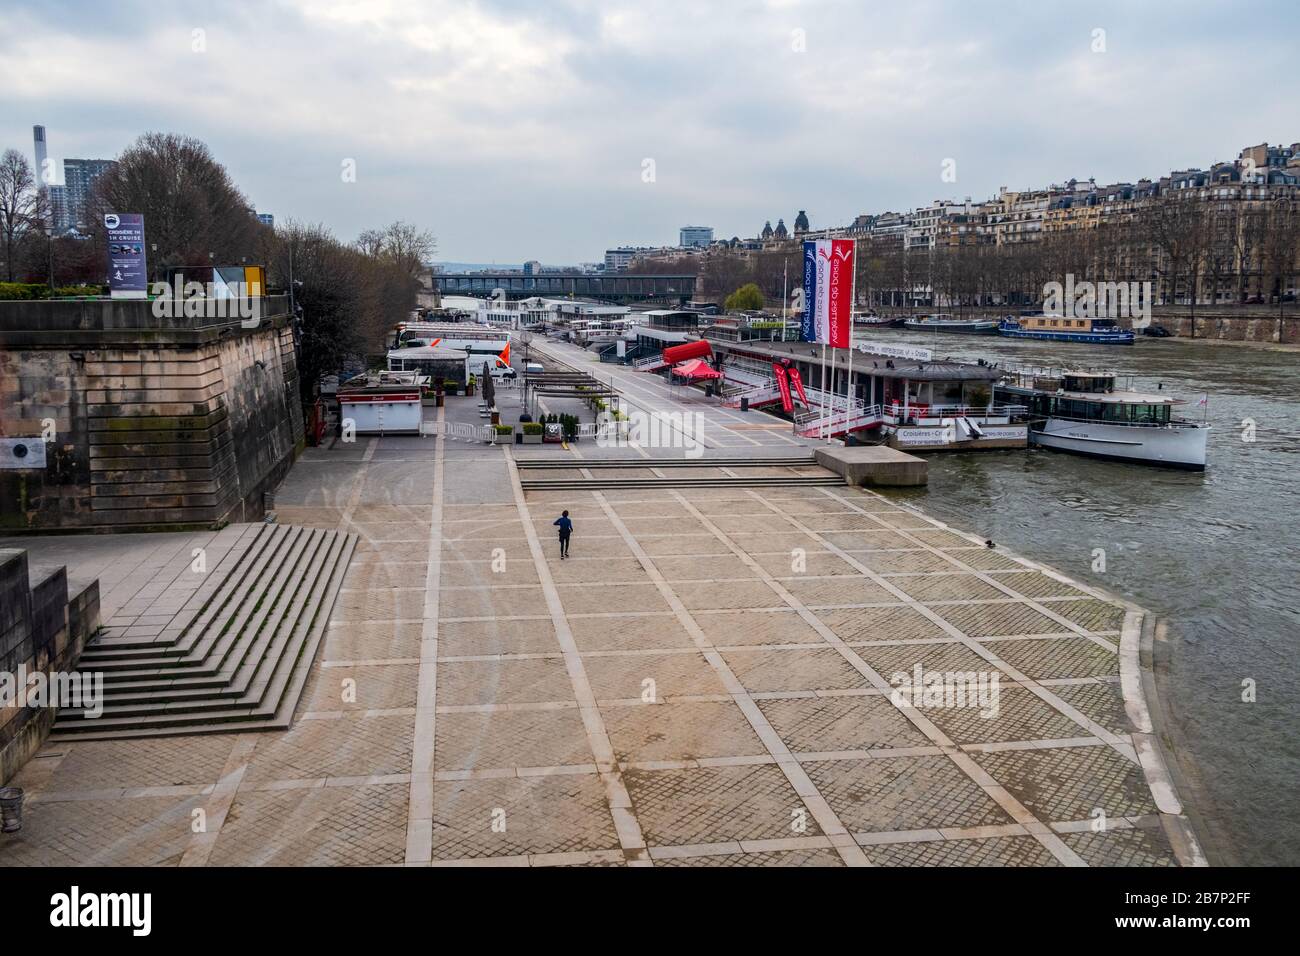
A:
(1216, 555)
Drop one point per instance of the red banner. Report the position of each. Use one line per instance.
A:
(783, 385)
(797, 381)
(840, 304)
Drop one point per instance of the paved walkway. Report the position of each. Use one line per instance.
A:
(707, 680)
(706, 422)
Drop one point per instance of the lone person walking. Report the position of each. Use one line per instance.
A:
(566, 528)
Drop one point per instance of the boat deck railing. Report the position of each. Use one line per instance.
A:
(1172, 423)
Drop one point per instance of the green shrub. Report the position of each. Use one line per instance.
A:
(12, 291)
(533, 428)
(748, 298)
(504, 429)
(23, 290)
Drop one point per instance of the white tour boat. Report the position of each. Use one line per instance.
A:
(1081, 411)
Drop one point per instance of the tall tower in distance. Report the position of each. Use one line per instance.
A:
(38, 147)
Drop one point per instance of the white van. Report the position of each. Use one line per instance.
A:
(533, 368)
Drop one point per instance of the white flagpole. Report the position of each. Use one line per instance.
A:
(822, 403)
(785, 294)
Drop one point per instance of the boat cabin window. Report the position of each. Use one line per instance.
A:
(1088, 383)
(1111, 412)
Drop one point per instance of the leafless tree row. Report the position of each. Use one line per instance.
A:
(350, 295)
(1192, 250)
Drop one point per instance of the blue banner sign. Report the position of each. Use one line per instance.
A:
(127, 275)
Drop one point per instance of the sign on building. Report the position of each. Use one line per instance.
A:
(127, 275)
(913, 352)
(22, 453)
(926, 436)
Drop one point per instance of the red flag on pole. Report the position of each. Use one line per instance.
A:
(783, 386)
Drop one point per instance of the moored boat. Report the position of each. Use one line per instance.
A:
(1057, 328)
(946, 323)
(1081, 411)
(876, 322)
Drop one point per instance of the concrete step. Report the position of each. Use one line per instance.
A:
(247, 684)
(596, 484)
(270, 616)
(235, 572)
(230, 544)
(200, 651)
(239, 665)
(782, 461)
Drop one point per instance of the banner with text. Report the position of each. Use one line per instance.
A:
(839, 298)
(127, 278)
(782, 386)
(828, 292)
(808, 328)
(796, 381)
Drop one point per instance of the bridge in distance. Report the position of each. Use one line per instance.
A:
(619, 287)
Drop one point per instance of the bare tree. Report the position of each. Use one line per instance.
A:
(20, 205)
(404, 245)
(192, 210)
(1221, 251)
(1279, 242)
(723, 273)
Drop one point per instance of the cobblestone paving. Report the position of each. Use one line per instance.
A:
(716, 677)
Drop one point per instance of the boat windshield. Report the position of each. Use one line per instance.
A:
(1119, 412)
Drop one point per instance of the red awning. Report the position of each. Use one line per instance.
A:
(695, 369)
(688, 350)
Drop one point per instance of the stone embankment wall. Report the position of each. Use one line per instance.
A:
(40, 630)
(151, 423)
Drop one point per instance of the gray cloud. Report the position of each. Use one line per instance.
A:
(516, 132)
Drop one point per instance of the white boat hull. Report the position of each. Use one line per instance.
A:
(1176, 446)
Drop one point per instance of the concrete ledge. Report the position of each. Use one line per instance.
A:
(876, 465)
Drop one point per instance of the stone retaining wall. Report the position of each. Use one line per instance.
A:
(157, 423)
(40, 630)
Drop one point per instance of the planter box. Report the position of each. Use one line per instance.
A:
(503, 438)
(533, 439)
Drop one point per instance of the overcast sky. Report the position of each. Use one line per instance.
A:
(521, 130)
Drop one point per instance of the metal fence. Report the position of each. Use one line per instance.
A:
(459, 431)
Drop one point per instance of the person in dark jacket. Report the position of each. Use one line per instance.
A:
(566, 528)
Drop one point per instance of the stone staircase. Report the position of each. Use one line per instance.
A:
(237, 649)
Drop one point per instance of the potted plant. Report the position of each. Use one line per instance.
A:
(502, 434)
(451, 386)
(533, 433)
(469, 386)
